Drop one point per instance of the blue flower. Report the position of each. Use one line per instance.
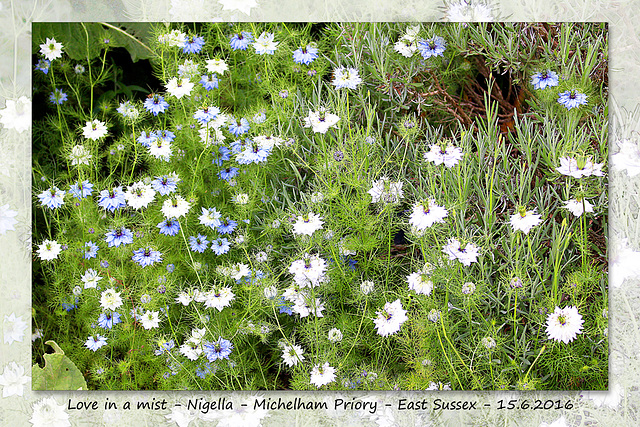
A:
(432, 47)
(52, 198)
(206, 114)
(220, 246)
(193, 44)
(90, 250)
(119, 236)
(220, 349)
(228, 173)
(113, 199)
(239, 127)
(68, 306)
(260, 117)
(224, 154)
(147, 138)
(227, 226)
(253, 153)
(104, 263)
(81, 190)
(572, 99)
(94, 344)
(544, 79)
(241, 41)
(204, 371)
(164, 346)
(107, 320)
(285, 306)
(165, 184)
(44, 65)
(165, 135)
(57, 96)
(169, 227)
(209, 81)
(171, 268)
(305, 55)
(156, 104)
(146, 256)
(198, 244)
(252, 278)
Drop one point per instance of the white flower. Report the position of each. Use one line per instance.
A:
(265, 44)
(47, 412)
(466, 256)
(448, 155)
(525, 220)
(160, 149)
(191, 349)
(488, 342)
(110, 299)
(49, 250)
(309, 271)
(366, 287)
(181, 415)
(17, 114)
(179, 87)
(292, 354)
(564, 324)
(185, 298)
(628, 158)
(624, 262)
(578, 207)
(270, 292)
(321, 375)
(173, 38)
(420, 283)
(139, 195)
(239, 270)
(307, 224)
(13, 380)
(346, 78)
(175, 207)
(51, 49)
(7, 219)
(218, 298)
(406, 46)
(241, 198)
(210, 217)
(305, 305)
(469, 11)
(386, 190)
(217, 66)
(320, 121)
(390, 318)
(335, 335)
(189, 69)
(90, 278)
(14, 328)
(426, 214)
(150, 319)
(243, 6)
(80, 155)
(579, 168)
(94, 130)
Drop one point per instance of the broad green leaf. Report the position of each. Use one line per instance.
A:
(59, 372)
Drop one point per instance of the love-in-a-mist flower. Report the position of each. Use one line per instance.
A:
(525, 220)
(94, 344)
(309, 271)
(220, 349)
(219, 297)
(49, 250)
(139, 195)
(238, 127)
(579, 167)
(169, 227)
(320, 121)
(118, 236)
(206, 114)
(57, 97)
(218, 66)
(307, 224)
(466, 255)
(544, 79)
(109, 319)
(81, 190)
(444, 153)
(165, 184)
(578, 206)
(112, 199)
(94, 130)
(389, 320)
(110, 299)
(386, 191)
(407, 45)
(150, 319)
(173, 38)
(265, 44)
(90, 250)
(145, 257)
(420, 282)
(434, 46)
(488, 343)
(90, 278)
(179, 87)
(305, 55)
(51, 49)
(156, 104)
(220, 246)
(292, 354)
(198, 243)
(426, 213)
(192, 44)
(335, 335)
(79, 155)
(191, 349)
(128, 110)
(572, 99)
(564, 324)
(175, 207)
(43, 65)
(322, 374)
(16, 114)
(52, 198)
(210, 217)
(13, 380)
(468, 11)
(346, 78)
(241, 41)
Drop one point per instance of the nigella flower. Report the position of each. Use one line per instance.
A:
(346, 78)
(198, 244)
(51, 49)
(224, 154)
(544, 79)
(43, 65)
(94, 130)
(580, 167)
(426, 214)
(322, 375)
(217, 65)
(81, 190)
(165, 184)
(564, 324)
(220, 246)
(220, 349)
(228, 173)
(169, 227)
(90, 250)
(265, 44)
(192, 44)
(107, 320)
(146, 256)
(320, 121)
(241, 41)
(292, 354)
(578, 206)
(239, 127)
(156, 104)
(441, 153)
(210, 217)
(49, 250)
(572, 99)
(94, 344)
(119, 236)
(57, 97)
(386, 191)
(179, 87)
(206, 114)
(112, 199)
(209, 81)
(128, 110)
(525, 220)
(466, 256)
(305, 55)
(307, 224)
(165, 135)
(147, 138)
(227, 226)
(390, 318)
(52, 198)
(432, 47)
